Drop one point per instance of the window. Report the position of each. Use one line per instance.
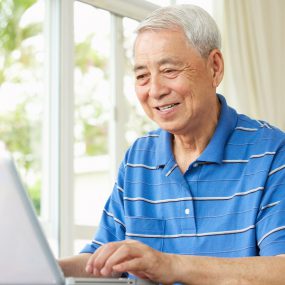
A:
(92, 177)
(22, 93)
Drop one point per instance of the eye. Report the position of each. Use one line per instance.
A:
(170, 72)
(142, 78)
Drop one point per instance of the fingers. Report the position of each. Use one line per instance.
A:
(102, 261)
(151, 264)
(97, 261)
(123, 253)
(112, 259)
(136, 266)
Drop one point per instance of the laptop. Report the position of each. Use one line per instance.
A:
(25, 255)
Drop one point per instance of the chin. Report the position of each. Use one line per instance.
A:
(168, 128)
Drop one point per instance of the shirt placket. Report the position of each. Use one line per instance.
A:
(188, 222)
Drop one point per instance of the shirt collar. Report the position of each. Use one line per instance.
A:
(164, 152)
(214, 151)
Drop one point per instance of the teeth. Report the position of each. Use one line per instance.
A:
(166, 107)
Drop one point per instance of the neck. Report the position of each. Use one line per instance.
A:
(188, 147)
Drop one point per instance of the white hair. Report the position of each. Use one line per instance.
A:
(199, 27)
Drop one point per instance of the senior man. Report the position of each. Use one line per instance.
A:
(201, 200)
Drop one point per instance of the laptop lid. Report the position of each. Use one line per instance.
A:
(25, 256)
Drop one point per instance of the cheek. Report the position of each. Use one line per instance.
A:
(183, 88)
(142, 94)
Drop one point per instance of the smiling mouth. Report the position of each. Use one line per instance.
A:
(164, 108)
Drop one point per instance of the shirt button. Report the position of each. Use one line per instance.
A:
(187, 211)
(195, 164)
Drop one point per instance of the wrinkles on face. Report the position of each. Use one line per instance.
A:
(173, 81)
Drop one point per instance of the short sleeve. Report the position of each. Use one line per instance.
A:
(270, 226)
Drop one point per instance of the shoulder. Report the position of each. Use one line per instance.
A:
(144, 147)
(258, 131)
(147, 141)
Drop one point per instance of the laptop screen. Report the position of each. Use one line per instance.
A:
(25, 255)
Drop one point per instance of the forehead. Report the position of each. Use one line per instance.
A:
(157, 45)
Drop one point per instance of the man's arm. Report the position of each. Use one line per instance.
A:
(247, 271)
(145, 262)
(75, 265)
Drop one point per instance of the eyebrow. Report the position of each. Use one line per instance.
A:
(139, 67)
(163, 61)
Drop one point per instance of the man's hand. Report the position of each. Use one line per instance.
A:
(74, 266)
(131, 256)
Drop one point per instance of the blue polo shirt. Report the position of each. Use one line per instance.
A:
(229, 203)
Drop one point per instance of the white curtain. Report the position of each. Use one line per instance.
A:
(253, 44)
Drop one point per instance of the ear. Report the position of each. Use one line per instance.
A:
(216, 62)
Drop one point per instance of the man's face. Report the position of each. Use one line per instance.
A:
(174, 84)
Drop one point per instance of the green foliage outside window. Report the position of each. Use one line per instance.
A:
(12, 35)
(20, 132)
(94, 122)
(15, 127)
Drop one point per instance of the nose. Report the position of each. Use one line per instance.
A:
(158, 87)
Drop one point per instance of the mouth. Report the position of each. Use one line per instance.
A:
(166, 107)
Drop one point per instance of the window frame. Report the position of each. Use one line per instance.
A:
(58, 127)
